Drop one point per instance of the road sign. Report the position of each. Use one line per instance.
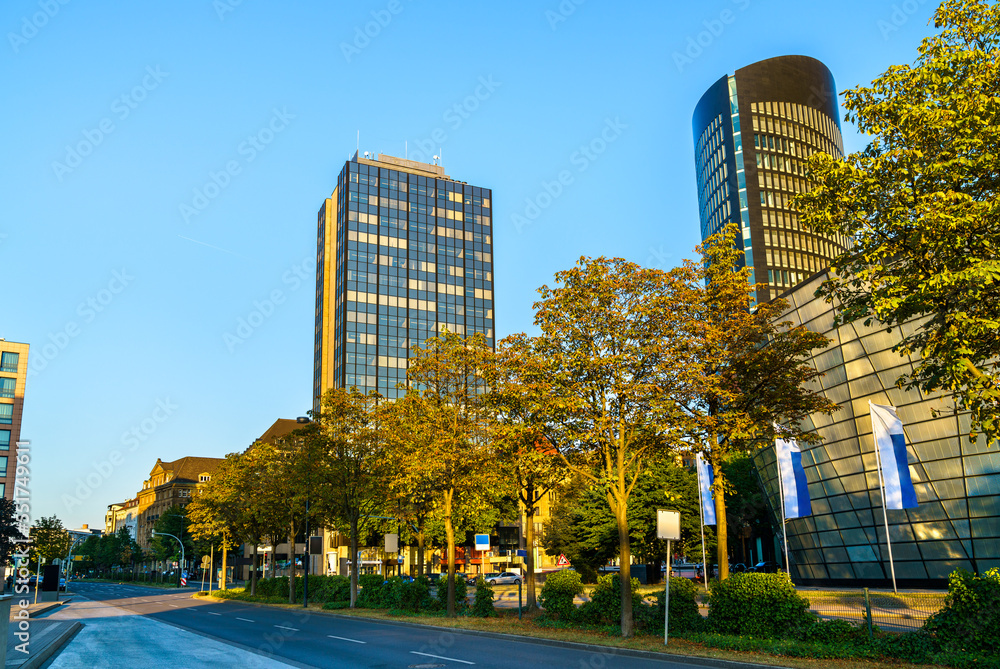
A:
(206, 562)
(562, 561)
(668, 525)
(482, 542)
(392, 543)
(184, 581)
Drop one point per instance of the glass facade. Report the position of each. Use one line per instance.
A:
(754, 131)
(403, 252)
(957, 522)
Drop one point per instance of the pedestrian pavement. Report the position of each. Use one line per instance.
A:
(115, 638)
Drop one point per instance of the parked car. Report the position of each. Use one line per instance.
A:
(504, 578)
(471, 579)
(766, 567)
(62, 584)
(434, 577)
(737, 568)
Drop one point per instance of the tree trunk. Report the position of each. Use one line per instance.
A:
(291, 562)
(354, 562)
(253, 573)
(529, 540)
(624, 551)
(449, 530)
(721, 537)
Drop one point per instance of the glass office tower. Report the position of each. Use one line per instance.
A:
(957, 522)
(403, 252)
(753, 132)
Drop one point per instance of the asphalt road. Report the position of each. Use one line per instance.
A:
(316, 640)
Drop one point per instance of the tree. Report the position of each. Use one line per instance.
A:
(744, 370)
(518, 403)
(49, 539)
(172, 521)
(10, 530)
(443, 435)
(921, 204)
(351, 466)
(606, 366)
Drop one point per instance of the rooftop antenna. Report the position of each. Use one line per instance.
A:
(359, 140)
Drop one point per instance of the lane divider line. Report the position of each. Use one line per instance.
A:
(441, 657)
(246, 620)
(344, 638)
(294, 629)
(213, 613)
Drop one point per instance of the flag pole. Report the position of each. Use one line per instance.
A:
(701, 508)
(881, 485)
(781, 491)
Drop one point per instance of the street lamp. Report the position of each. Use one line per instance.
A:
(181, 543)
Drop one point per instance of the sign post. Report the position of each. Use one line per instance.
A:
(668, 527)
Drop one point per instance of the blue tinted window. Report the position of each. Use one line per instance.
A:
(8, 361)
(7, 386)
(4, 440)
(6, 414)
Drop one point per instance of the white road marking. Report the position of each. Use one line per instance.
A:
(246, 620)
(442, 657)
(294, 629)
(344, 638)
(213, 613)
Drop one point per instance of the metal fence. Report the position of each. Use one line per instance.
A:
(892, 612)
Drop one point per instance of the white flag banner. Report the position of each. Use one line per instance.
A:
(793, 478)
(705, 479)
(891, 444)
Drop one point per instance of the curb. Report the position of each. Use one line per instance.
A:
(39, 659)
(575, 645)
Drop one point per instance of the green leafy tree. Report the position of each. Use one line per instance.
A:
(744, 369)
(351, 463)
(921, 204)
(172, 521)
(49, 539)
(606, 365)
(443, 437)
(519, 405)
(10, 530)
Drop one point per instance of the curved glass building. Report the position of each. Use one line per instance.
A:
(957, 521)
(753, 131)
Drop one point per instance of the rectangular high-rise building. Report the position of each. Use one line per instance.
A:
(403, 252)
(13, 374)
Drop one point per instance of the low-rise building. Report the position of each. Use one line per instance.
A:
(169, 484)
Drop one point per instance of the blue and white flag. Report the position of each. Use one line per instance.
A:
(891, 444)
(705, 480)
(793, 478)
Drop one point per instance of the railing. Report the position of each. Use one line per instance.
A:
(893, 612)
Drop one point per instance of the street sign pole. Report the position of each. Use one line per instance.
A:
(668, 527)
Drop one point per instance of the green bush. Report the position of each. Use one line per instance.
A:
(483, 605)
(416, 595)
(461, 591)
(558, 591)
(330, 589)
(605, 605)
(333, 606)
(760, 605)
(371, 593)
(684, 615)
(835, 631)
(970, 618)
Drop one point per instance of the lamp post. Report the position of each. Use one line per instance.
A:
(181, 543)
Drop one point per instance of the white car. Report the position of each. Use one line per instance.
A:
(505, 578)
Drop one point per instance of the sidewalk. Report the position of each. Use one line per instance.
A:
(46, 638)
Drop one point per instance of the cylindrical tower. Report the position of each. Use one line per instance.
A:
(753, 132)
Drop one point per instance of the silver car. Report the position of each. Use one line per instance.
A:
(505, 578)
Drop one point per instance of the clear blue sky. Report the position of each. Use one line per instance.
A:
(98, 259)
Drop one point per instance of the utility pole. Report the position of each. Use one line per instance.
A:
(225, 550)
